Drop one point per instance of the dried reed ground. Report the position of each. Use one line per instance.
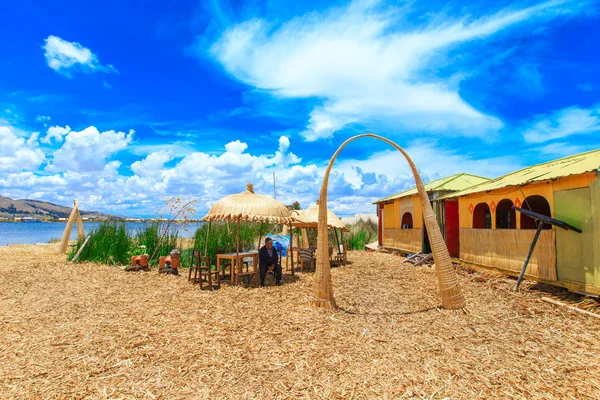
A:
(94, 331)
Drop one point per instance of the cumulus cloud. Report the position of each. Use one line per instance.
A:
(16, 154)
(365, 63)
(89, 149)
(86, 167)
(56, 133)
(33, 138)
(562, 124)
(67, 57)
(153, 164)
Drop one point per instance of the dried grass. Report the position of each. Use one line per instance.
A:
(94, 331)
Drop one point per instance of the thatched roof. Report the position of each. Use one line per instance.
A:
(309, 218)
(248, 206)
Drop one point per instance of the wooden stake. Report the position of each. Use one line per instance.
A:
(67, 233)
(206, 242)
(238, 264)
(260, 234)
(291, 247)
(80, 232)
(80, 249)
(579, 310)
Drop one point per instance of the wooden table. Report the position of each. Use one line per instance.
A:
(239, 257)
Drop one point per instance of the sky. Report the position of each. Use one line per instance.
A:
(122, 105)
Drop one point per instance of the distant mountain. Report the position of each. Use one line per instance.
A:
(10, 208)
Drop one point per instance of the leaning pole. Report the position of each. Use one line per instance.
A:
(450, 292)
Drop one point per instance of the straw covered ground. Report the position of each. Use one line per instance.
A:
(94, 331)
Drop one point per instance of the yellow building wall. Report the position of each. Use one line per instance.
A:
(393, 213)
(418, 215)
(545, 188)
(595, 201)
(389, 215)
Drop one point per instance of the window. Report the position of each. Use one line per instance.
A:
(537, 204)
(407, 221)
(505, 215)
(482, 218)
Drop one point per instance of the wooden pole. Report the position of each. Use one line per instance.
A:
(305, 243)
(80, 249)
(535, 239)
(238, 265)
(260, 234)
(345, 255)
(579, 310)
(206, 241)
(80, 232)
(67, 233)
(292, 247)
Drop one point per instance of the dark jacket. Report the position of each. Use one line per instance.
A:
(265, 259)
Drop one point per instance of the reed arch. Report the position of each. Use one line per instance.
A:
(450, 291)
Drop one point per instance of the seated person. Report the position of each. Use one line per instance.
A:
(269, 260)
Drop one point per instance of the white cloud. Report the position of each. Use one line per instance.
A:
(86, 167)
(42, 118)
(366, 64)
(562, 124)
(56, 133)
(431, 161)
(236, 147)
(16, 154)
(561, 149)
(33, 138)
(153, 164)
(89, 149)
(284, 144)
(66, 57)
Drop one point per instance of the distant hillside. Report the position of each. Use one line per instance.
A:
(10, 208)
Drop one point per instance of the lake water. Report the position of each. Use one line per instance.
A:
(43, 232)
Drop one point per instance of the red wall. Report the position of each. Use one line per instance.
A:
(452, 228)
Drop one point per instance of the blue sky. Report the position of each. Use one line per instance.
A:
(119, 104)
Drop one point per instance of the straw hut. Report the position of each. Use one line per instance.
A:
(248, 206)
(401, 225)
(309, 218)
(494, 235)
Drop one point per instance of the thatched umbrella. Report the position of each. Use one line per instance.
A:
(247, 206)
(309, 218)
(450, 292)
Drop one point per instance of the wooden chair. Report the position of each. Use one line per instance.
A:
(201, 267)
(340, 256)
(193, 264)
(238, 272)
(306, 255)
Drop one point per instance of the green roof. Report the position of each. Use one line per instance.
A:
(572, 165)
(451, 183)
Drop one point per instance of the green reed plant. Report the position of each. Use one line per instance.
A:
(150, 237)
(222, 236)
(361, 233)
(109, 244)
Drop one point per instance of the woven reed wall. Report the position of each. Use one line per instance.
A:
(507, 249)
(404, 239)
